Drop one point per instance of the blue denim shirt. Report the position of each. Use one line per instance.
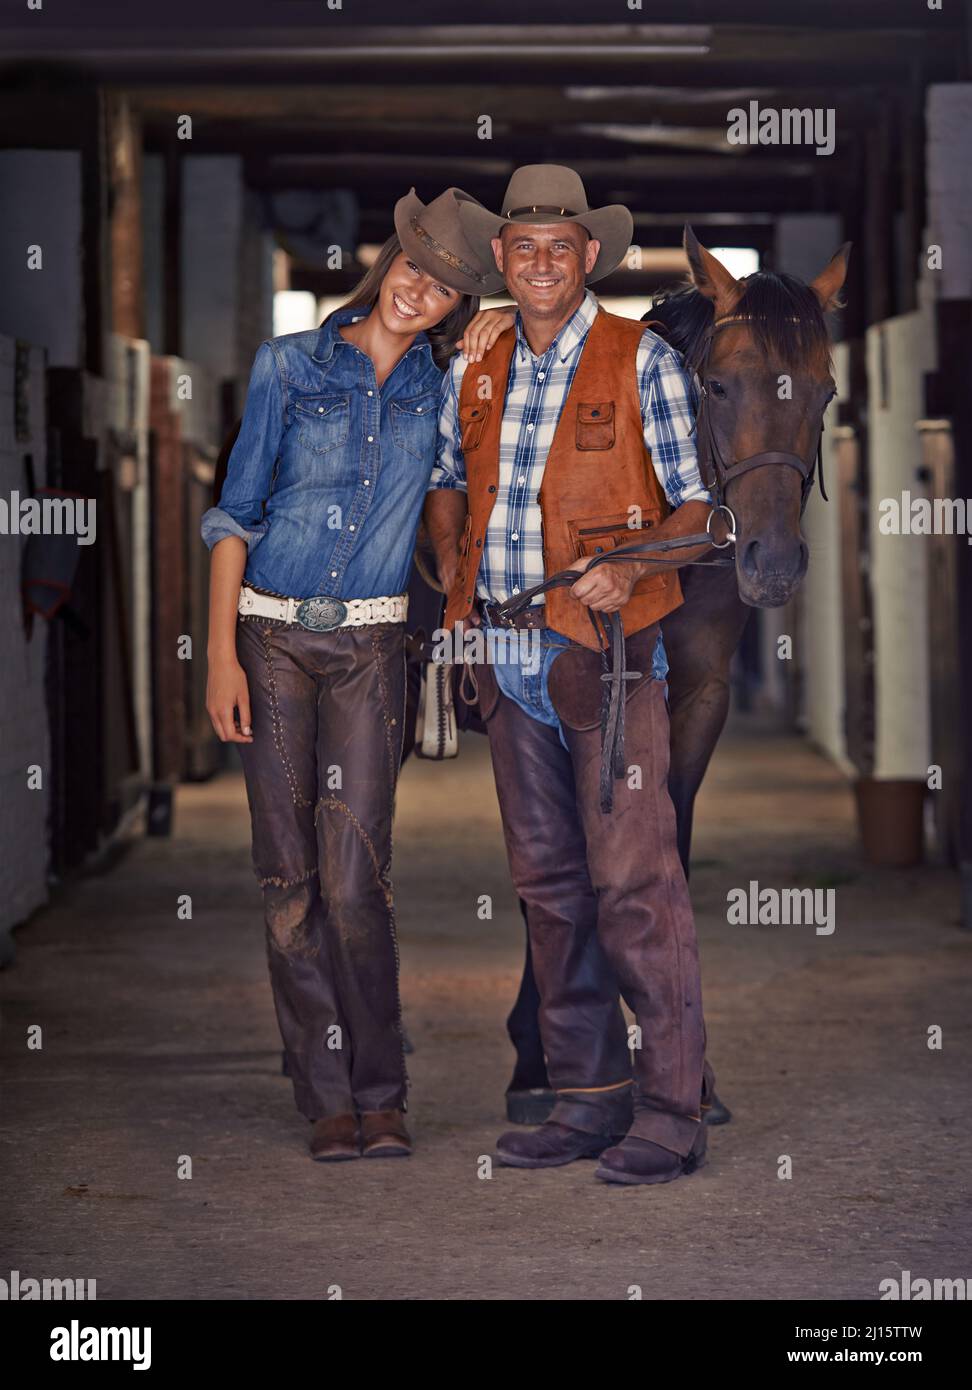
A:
(327, 478)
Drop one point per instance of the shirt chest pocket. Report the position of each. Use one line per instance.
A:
(595, 425)
(413, 424)
(324, 422)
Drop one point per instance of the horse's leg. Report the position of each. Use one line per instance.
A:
(700, 638)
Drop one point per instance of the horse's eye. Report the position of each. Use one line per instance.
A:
(717, 389)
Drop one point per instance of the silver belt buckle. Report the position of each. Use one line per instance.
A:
(321, 614)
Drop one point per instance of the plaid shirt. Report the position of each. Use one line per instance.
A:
(535, 394)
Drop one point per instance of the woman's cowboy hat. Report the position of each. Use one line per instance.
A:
(435, 239)
(542, 193)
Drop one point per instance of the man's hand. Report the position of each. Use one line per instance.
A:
(609, 587)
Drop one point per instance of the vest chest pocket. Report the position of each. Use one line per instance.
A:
(472, 422)
(325, 422)
(595, 425)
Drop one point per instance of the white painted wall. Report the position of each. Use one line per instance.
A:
(822, 655)
(899, 577)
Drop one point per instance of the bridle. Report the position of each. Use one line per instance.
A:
(711, 460)
(609, 626)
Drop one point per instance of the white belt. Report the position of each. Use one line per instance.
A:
(323, 614)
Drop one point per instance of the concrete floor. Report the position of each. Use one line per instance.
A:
(159, 1041)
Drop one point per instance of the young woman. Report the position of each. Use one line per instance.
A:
(311, 552)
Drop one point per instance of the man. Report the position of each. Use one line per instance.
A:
(574, 429)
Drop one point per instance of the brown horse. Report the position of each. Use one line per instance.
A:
(761, 351)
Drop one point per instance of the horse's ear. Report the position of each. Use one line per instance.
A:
(830, 281)
(709, 275)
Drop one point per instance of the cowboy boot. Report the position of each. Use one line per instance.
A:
(383, 1134)
(550, 1146)
(639, 1161)
(335, 1138)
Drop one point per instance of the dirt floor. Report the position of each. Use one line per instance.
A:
(159, 1041)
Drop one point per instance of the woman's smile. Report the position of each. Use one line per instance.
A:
(402, 308)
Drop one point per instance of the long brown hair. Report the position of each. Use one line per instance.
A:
(444, 336)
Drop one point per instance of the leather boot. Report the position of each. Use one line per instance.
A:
(335, 1138)
(384, 1135)
(636, 1161)
(550, 1146)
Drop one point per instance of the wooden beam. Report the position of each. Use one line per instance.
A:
(194, 17)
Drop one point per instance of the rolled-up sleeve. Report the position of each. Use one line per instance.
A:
(668, 414)
(249, 473)
(449, 469)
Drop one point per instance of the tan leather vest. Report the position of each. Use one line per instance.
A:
(598, 480)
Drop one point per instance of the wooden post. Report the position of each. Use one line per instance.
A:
(172, 289)
(94, 223)
(125, 171)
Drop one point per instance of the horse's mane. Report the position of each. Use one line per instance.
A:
(788, 320)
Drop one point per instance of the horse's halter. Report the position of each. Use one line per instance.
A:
(721, 474)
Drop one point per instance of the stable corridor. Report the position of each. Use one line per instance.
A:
(159, 1042)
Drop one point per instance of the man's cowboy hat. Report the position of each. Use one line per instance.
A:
(539, 194)
(433, 237)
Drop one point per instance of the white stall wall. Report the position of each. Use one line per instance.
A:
(822, 657)
(899, 353)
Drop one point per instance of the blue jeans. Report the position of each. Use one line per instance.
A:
(525, 680)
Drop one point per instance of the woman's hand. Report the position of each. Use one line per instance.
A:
(226, 692)
(483, 329)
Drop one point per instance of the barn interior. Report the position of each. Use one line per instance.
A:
(201, 178)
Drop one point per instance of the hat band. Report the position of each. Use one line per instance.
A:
(443, 253)
(514, 215)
